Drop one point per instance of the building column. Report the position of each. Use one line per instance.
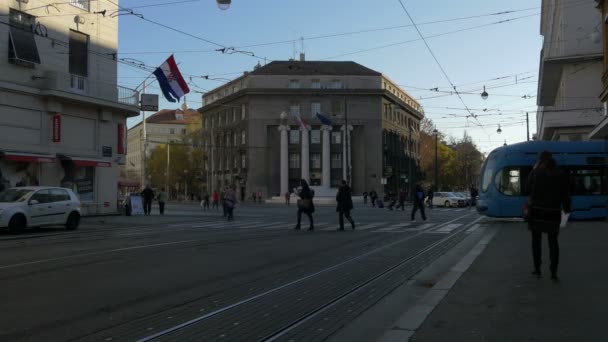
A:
(346, 151)
(325, 158)
(305, 154)
(284, 159)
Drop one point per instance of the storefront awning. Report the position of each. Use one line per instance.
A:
(86, 162)
(27, 157)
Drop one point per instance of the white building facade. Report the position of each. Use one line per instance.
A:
(571, 66)
(62, 115)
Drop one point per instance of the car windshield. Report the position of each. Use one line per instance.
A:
(14, 195)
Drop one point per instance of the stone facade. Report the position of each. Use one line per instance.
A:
(62, 116)
(255, 141)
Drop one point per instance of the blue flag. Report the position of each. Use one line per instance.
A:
(324, 120)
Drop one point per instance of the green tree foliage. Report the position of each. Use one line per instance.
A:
(459, 160)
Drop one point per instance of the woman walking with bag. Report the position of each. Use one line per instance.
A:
(230, 200)
(345, 205)
(305, 204)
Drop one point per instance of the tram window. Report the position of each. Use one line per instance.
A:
(513, 180)
(488, 171)
(588, 181)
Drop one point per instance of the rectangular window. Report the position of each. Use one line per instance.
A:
(79, 54)
(21, 40)
(83, 4)
(294, 160)
(336, 137)
(315, 136)
(315, 160)
(336, 84)
(294, 136)
(315, 108)
(315, 84)
(243, 161)
(235, 138)
(243, 109)
(243, 137)
(206, 123)
(294, 109)
(171, 130)
(228, 139)
(183, 131)
(236, 162)
(337, 107)
(336, 161)
(294, 84)
(233, 114)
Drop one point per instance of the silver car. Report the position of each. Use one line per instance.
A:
(37, 206)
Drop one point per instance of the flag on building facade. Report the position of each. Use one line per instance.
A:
(171, 82)
(301, 121)
(324, 120)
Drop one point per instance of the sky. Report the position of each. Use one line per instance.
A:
(472, 41)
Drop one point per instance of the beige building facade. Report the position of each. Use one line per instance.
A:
(164, 127)
(570, 71)
(255, 141)
(62, 115)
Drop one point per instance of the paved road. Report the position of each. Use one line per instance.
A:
(193, 276)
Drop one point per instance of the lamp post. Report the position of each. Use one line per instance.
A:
(186, 184)
(436, 133)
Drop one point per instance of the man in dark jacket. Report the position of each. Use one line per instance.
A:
(549, 195)
(305, 204)
(418, 203)
(147, 195)
(345, 205)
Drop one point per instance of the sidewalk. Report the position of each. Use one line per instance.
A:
(497, 299)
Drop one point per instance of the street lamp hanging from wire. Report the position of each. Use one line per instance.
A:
(484, 95)
(223, 4)
(499, 130)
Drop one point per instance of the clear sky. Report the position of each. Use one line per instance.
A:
(490, 55)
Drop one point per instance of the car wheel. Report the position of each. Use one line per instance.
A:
(17, 224)
(73, 221)
(447, 204)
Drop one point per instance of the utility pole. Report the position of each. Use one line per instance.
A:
(145, 149)
(347, 142)
(527, 127)
(168, 168)
(436, 166)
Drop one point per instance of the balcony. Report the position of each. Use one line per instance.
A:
(82, 4)
(83, 89)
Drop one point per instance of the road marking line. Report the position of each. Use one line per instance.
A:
(96, 253)
(448, 228)
(394, 227)
(370, 226)
(473, 228)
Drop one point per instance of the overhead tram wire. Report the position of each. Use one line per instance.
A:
(437, 61)
(431, 36)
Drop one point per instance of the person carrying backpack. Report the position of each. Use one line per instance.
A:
(418, 203)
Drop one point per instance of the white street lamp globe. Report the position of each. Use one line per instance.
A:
(223, 4)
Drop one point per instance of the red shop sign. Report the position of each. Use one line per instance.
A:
(56, 128)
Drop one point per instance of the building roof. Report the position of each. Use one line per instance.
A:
(173, 116)
(314, 68)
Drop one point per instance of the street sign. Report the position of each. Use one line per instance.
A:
(149, 102)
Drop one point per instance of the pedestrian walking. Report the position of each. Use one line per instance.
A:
(230, 201)
(162, 199)
(305, 204)
(474, 194)
(147, 195)
(206, 201)
(373, 196)
(402, 196)
(418, 203)
(549, 196)
(287, 198)
(430, 196)
(365, 194)
(216, 199)
(345, 205)
(223, 202)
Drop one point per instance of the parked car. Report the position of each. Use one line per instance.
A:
(448, 199)
(25, 207)
(466, 196)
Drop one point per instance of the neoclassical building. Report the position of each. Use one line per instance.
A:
(254, 139)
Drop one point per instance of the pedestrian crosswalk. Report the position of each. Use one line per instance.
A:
(373, 227)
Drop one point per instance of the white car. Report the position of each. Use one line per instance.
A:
(448, 199)
(37, 206)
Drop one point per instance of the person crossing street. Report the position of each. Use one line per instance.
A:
(345, 205)
(418, 203)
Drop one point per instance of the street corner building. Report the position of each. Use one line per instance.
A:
(62, 115)
(319, 121)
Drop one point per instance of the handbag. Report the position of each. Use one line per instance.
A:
(304, 204)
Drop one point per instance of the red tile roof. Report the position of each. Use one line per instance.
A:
(170, 116)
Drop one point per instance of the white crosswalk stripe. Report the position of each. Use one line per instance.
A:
(369, 226)
(472, 229)
(447, 228)
(395, 227)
